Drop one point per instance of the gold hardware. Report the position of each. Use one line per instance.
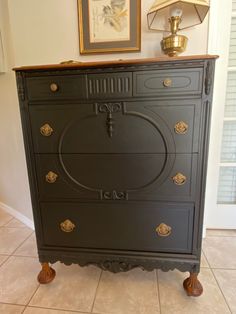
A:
(70, 62)
(67, 226)
(46, 130)
(163, 230)
(181, 127)
(54, 87)
(193, 12)
(174, 45)
(167, 82)
(51, 177)
(179, 179)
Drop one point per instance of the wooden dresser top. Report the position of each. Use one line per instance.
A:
(120, 62)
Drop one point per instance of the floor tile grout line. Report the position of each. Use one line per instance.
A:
(221, 291)
(95, 295)
(5, 261)
(8, 221)
(221, 236)
(209, 266)
(31, 298)
(12, 254)
(158, 289)
(9, 303)
(220, 268)
(206, 259)
(215, 267)
(57, 309)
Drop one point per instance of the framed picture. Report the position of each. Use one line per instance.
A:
(109, 26)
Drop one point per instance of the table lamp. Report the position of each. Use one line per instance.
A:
(174, 15)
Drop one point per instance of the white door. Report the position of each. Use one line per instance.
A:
(220, 205)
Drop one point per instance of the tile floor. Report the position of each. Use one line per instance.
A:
(90, 290)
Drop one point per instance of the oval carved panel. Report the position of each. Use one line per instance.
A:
(132, 159)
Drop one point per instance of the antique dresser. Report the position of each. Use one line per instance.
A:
(117, 158)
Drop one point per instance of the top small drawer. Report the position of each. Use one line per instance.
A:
(56, 87)
(167, 82)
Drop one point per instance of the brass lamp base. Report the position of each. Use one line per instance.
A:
(174, 44)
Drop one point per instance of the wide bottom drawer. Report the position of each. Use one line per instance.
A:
(156, 227)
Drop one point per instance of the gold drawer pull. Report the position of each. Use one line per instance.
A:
(163, 230)
(67, 226)
(181, 127)
(46, 130)
(51, 177)
(54, 87)
(167, 82)
(179, 179)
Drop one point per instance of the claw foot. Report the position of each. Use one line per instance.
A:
(47, 274)
(193, 286)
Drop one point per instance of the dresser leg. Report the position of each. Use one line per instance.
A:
(47, 274)
(192, 285)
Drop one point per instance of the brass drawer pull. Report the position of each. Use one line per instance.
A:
(51, 177)
(167, 82)
(181, 127)
(46, 130)
(54, 87)
(163, 230)
(179, 179)
(67, 226)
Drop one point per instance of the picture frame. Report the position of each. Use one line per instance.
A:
(108, 26)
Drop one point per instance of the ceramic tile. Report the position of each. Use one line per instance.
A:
(131, 292)
(28, 248)
(173, 298)
(221, 232)
(11, 309)
(227, 281)
(204, 262)
(220, 251)
(36, 310)
(2, 259)
(11, 238)
(4, 217)
(73, 289)
(18, 279)
(15, 223)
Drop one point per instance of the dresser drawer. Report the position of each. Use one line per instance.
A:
(168, 82)
(117, 176)
(56, 87)
(134, 127)
(156, 227)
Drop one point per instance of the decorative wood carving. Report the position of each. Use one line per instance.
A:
(110, 108)
(192, 285)
(47, 274)
(116, 264)
(109, 85)
(209, 77)
(114, 195)
(20, 86)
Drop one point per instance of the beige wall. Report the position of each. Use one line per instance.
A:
(45, 32)
(14, 189)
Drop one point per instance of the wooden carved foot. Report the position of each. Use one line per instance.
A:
(193, 286)
(47, 274)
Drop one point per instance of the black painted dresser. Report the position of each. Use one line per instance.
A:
(117, 157)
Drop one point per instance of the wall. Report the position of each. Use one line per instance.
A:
(45, 32)
(14, 188)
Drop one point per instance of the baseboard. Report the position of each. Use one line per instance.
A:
(29, 223)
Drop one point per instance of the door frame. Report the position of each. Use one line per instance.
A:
(216, 215)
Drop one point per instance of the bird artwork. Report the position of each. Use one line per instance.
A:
(110, 20)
